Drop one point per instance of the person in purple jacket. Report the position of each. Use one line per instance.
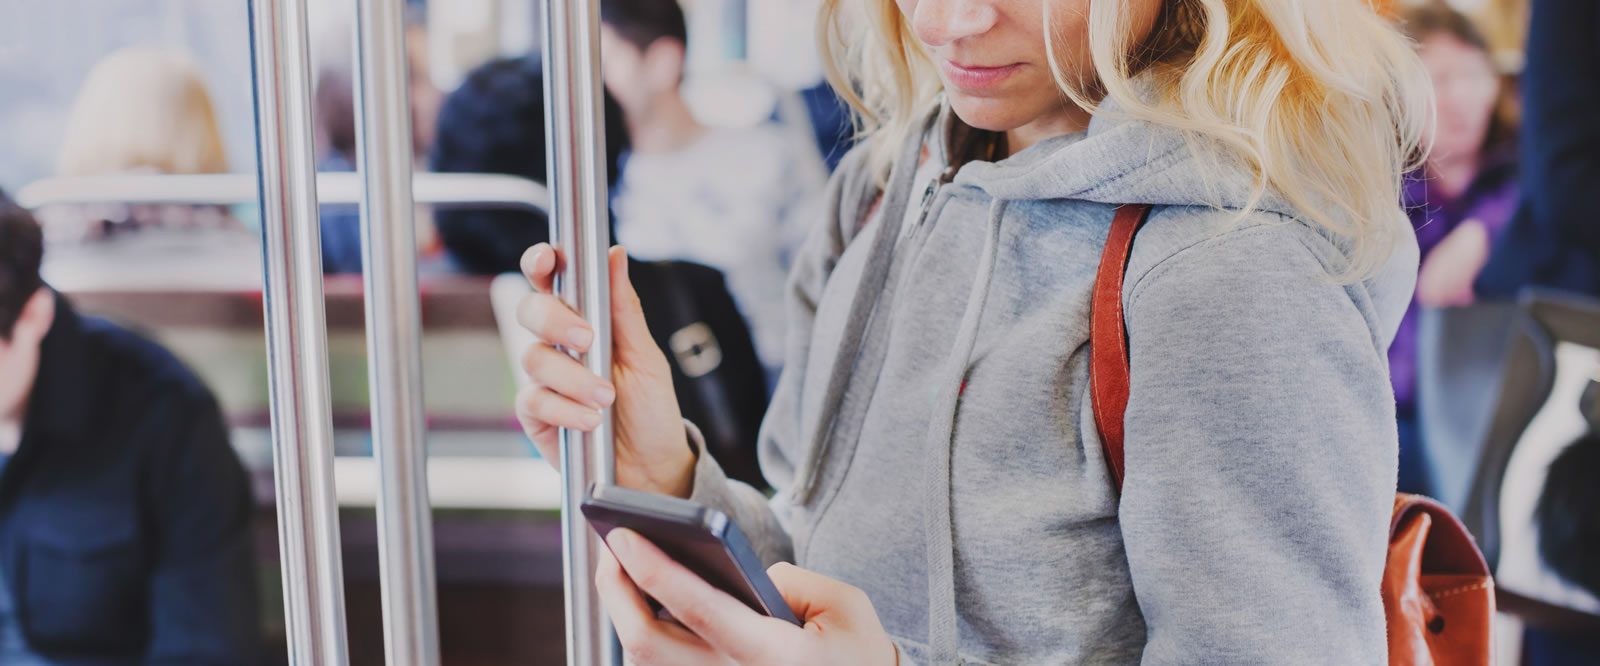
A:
(1458, 202)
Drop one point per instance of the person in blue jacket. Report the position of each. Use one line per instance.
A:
(125, 516)
(1554, 240)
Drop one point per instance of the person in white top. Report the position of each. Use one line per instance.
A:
(722, 197)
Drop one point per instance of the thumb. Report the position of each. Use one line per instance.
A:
(628, 326)
(816, 598)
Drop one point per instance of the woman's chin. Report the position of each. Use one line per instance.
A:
(995, 114)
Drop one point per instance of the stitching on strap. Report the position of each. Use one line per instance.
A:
(1484, 585)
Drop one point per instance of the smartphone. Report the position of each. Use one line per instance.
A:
(702, 539)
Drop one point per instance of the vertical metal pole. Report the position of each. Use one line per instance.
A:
(580, 228)
(302, 427)
(394, 327)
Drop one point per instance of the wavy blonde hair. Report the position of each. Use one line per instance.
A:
(1323, 101)
(142, 108)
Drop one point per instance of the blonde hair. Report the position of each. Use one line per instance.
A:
(1323, 101)
(142, 108)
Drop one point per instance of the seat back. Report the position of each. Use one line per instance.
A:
(1551, 361)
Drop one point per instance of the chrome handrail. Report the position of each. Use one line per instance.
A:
(441, 190)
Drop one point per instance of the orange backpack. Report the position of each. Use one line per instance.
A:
(1438, 596)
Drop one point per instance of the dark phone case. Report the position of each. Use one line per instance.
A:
(702, 539)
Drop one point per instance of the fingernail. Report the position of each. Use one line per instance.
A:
(619, 540)
(604, 395)
(579, 337)
(591, 420)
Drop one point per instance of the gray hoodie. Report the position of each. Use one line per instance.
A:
(932, 441)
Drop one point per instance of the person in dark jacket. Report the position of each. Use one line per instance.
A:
(1554, 240)
(125, 516)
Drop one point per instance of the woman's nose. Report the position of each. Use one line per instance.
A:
(940, 22)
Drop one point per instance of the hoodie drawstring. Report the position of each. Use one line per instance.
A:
(943, 624)
(938, 526)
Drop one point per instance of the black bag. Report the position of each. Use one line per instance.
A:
(1569, 507)
(1566, 518)
(716, 374)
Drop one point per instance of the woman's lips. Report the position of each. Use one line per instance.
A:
(972, 77)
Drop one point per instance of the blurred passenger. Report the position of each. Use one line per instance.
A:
(494, 123)
(1554, 241)
(335, 118)
(1463, 196)
(140, 110)
(125, 528)
(732, 199)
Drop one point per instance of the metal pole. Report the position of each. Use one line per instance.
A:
(302, 427)
(580, 228)
(394, 328)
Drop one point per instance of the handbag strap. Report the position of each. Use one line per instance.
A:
(1109, 378)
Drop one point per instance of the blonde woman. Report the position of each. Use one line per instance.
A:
(940, 484)
(140, 110)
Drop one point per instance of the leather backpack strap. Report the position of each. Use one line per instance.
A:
(1109, 377)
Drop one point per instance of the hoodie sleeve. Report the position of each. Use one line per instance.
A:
(781, 448)
(1260, 450)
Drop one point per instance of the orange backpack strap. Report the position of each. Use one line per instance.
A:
(1109, 378)
(1437, 593)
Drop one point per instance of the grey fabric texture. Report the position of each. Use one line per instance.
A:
(932, 441)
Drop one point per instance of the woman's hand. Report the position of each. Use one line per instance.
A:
(652, 448)
(841, 626)
(1450, 269)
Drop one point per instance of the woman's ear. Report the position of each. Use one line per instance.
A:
(664, 64)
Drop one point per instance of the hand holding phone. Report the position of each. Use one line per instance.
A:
(832, 622)
(702, 539)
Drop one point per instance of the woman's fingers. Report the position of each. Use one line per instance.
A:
(812, 595)
(543, 434)
(561, 373)
(648, 641)
(724, 622)
(554, 322)
(540, 408)
(539, 266)
(627, 314)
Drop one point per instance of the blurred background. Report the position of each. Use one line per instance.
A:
(720, 136)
